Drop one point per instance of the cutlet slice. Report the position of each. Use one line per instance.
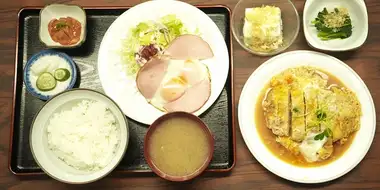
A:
(276, 110)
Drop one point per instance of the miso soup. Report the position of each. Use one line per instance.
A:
(179, 147)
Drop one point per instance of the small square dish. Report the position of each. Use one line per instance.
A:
(62, 26)
(345, 39)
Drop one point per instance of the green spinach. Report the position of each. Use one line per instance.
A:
(327, 33)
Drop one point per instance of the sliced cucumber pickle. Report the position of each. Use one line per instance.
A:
(46, 82)
(61, 74)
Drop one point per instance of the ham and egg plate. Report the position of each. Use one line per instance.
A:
(177, 80)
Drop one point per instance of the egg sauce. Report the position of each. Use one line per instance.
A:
(269, 139)
(179, 147)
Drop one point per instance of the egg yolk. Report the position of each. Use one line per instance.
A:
(173, 89)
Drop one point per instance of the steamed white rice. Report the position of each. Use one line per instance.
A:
(84, 137)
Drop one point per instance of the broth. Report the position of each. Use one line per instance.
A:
(179, 147)
(269, 139)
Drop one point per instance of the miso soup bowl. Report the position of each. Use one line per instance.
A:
(156, 124)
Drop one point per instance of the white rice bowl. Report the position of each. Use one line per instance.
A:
(49, 150)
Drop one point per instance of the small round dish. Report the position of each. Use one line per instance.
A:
(289, 16)
(47, 158)
(156, 124)
(30, 77)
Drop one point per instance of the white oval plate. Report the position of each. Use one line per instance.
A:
(247, 103)
(123, 90)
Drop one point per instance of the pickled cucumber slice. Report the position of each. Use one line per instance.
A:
(46, 82)
(61, 74)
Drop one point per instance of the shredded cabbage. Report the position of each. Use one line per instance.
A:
(161, 33)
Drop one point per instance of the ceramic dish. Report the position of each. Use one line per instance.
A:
(359, 19)
(48, 161)
(156, 124)
(56, 11)
(290, 23)
(29, 78)
(351, 157)
(122, 88)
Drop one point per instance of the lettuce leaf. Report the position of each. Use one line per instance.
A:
(161, 33)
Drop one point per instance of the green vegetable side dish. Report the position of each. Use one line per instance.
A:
(61, 74)
(333, 25)
(46, 82)
(159, 33)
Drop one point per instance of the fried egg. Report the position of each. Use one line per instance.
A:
(176, 80)
(180, 76)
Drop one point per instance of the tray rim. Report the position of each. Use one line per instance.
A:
(231, 73)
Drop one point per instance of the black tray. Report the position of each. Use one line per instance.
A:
(219, 118)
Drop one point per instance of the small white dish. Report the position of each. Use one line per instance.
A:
(45, 157)
(257, 82)
(359, 19)
(56, 11)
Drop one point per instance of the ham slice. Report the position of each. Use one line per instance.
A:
(193, 99)
(149, 77)
(189, 47)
